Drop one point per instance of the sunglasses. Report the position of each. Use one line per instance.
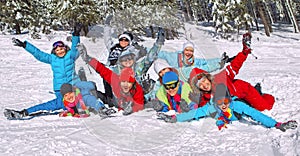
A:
(126, 58)
(225, 101)
(58, 44)
(124, 39)
(171, 86)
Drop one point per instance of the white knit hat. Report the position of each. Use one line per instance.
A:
(160, 64)
(188, 44)
(125, 36)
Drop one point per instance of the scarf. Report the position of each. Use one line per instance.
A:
(224, 119)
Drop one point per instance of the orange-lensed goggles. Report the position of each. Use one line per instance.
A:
(171, 86)
(225, 101)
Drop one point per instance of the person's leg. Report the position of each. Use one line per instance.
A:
(52, 105)
(253, 97)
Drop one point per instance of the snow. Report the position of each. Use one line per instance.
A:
(26, 82)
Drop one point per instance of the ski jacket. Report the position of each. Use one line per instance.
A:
(136, 93)
(225, 76)
(72, 106)
(63, 68)
(238, 108)
(172, 103)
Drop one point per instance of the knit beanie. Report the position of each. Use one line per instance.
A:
(221, 92)
(188, 44)
(127, 74)
(127, 36)
(160, 64)
(66, 88)
(169, 77)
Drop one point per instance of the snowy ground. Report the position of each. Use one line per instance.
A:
(26, 82)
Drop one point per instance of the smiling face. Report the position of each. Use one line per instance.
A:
(223, 104)
(204, 84)
(172, 88)
(126, 86)
(188, 54)
(124, 42)
(60, 51)
(69, 97)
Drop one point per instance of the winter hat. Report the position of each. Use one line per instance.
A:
(66, 88)
(221, 92)
(188, 44)
(126, 35)
(160, 64)
(127, 53)
(170, 77)
(127, 74)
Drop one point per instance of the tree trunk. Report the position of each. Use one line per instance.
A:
(292, 16)
(253, 12)
(17, 27)
(188, 11)
(263, 17)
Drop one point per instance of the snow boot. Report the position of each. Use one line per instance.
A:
(15, 115)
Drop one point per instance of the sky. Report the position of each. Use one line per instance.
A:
(26, 82)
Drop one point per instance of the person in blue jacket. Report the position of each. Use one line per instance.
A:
(85, 88)
(226, 109)
(62, 61)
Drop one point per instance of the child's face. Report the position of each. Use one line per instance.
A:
(188, 53)
(60, 51)
(204, 84)
(127, 63)
(124, 42)
(223, 104)
(126, 86)
(69, 97)
(172, 89)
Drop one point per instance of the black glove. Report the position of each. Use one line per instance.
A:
(160, 36)
(184, 107)
(195, 97)
(224, 60)
(105, 112)
(147, 83)
(108, 19)
(166, 118)
(127, 107)
(77, 29)
(292, 124)
(19, 43)
(82, 50)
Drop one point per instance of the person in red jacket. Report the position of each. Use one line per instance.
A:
(129, 94)
(203, 83)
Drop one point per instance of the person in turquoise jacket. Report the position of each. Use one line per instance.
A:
(226, 109)
(185, 58)
(62, 61)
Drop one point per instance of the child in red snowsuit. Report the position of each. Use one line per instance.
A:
(204, 83)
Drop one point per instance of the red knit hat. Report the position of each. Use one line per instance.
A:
(127, 74)
(196, 72)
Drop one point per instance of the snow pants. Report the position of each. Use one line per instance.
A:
(248, 93)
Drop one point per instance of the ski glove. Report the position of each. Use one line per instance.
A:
(127, 107)
(224, 60)
(166, 118)
(108, 19)
(155, 104)
(147, 83)
(184, 107)
(19, 43)
(247, 43)
(292, 124)
(105, 112)
(160, 36)
(195, 97)
(77, 29)
(83, 52)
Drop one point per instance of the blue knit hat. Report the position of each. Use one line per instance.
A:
(169, 77)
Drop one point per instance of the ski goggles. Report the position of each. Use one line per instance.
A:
(126, 58)
(171, 85)
(123, 39)
(222, 101)
(58, 44)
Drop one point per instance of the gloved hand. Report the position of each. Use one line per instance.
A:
(83, 52)
(77, 29)
(166, 118)
(184, 107)
(247, 43)
(105, 112)
(155, 104)
(19, 43)
(195, 97)
(224, 60)
(147, 83)
(108, 19)
(160, 36)
(292, 124)
(127, 107)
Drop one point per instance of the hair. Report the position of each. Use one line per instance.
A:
(193, 81)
